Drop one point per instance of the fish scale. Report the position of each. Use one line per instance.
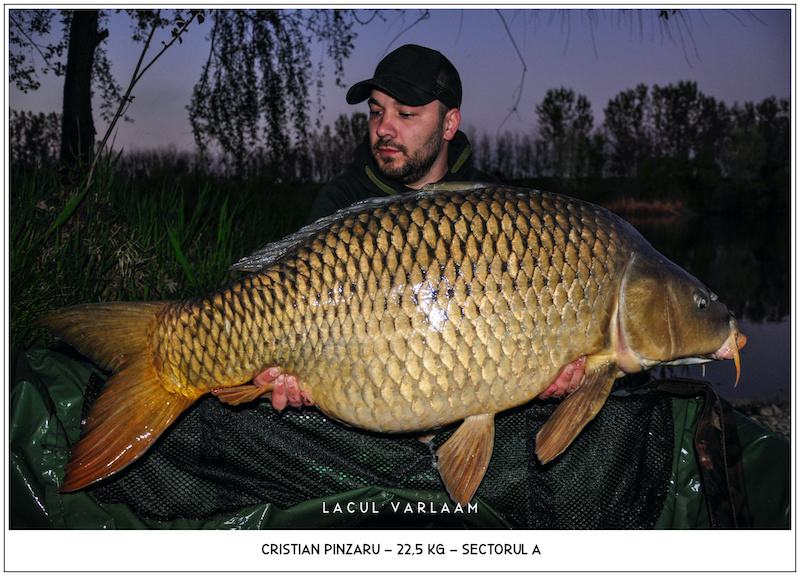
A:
(405, 314)
(426, 340)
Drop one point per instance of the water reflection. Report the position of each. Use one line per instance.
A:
(746, 261)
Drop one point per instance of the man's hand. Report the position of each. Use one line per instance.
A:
(567, 380)
(286, 389)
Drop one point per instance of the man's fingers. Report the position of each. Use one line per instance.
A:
(293, 391)
(285, 389)
(268, 376)
(306, 398)
(279, 397)
(576, 374)
(567, 380)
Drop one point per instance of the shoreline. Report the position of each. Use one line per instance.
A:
(774, 414)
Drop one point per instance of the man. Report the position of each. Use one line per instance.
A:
(412, 140)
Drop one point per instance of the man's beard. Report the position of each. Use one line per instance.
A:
(416, 165)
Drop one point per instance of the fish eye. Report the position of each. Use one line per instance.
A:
(701, 300)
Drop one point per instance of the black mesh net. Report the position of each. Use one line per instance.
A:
(219, 459)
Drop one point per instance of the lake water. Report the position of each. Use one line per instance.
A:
(746, 262)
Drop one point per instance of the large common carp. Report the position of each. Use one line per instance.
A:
(406, 314)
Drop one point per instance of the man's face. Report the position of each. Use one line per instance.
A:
(409, 142)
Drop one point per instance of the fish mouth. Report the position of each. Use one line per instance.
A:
(728, 351)
(730, 348)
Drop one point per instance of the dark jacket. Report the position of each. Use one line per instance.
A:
(362, 179)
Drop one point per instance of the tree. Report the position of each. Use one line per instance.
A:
(348, 132)
(33, 139)
(24, 26)
(257, 79)
(627, 131)
(254, 88)
(331, 150)
(757, 144)
(87, 66)
(675, 116)
(774, 118)
(77, 132)
(565, 127)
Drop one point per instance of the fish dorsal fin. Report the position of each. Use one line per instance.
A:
(575, 412)
(463, 459)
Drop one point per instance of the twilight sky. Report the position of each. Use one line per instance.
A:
(735, 56)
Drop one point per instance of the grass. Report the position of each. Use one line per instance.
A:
(120, 241)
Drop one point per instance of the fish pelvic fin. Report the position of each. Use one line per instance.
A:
(242, 394)
(134, 408)
(575, 412)
(463, 459)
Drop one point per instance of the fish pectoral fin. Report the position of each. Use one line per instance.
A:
(463, 459)
(241, 394)
(575, 412)
(132, 411)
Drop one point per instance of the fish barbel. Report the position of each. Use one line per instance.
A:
(406, 314)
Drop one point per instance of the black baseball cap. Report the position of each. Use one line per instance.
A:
(415, 75)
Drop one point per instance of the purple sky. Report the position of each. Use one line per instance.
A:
(735, 56)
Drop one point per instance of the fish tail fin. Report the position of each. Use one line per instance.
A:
(575, 412)
(132, 411)
(107, 332)
(134, 408)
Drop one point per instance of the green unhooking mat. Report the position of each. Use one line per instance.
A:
(670, 456)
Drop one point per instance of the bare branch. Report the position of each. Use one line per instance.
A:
(126, 99)
(34, 44)
(518, 89)
(424, 16)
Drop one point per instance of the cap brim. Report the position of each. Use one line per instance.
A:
(394, 87)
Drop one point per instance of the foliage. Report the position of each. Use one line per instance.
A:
(664, 143)
(331, 150)
(154, 21)
(87, 68)
(627, 132)
(678, 142)
(565, 126)
(253, 95)
(256, 82)
(25, 27)
(29, 56)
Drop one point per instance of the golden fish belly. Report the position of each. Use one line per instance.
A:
(417, 314)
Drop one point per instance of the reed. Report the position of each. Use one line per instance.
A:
(119, 241)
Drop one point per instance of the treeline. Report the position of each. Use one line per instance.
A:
(669, 142)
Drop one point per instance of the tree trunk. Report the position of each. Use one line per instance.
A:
(77, 131)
